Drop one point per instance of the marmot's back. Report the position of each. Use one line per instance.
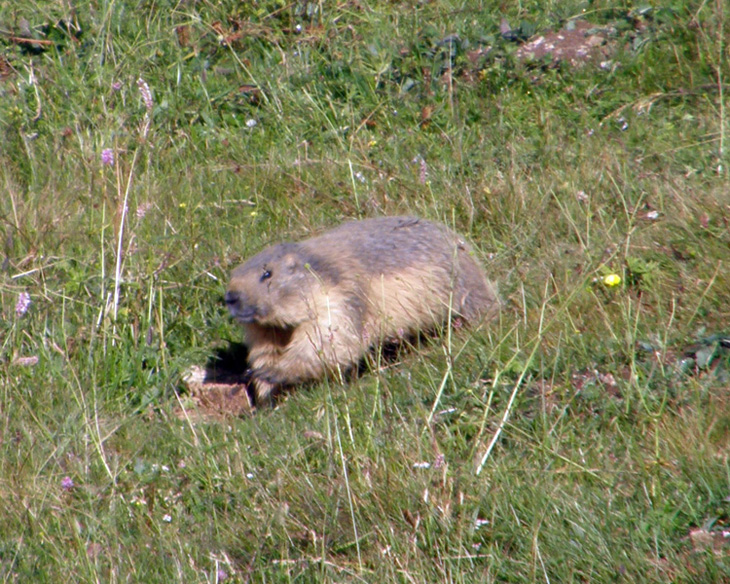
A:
(317, 305)
(388, 244)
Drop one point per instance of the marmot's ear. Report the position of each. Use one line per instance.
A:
(291, 263)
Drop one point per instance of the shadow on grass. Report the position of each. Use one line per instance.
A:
(228, 365)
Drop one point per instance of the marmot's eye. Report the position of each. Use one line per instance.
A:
(266, 275)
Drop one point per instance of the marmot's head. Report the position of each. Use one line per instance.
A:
(273, 288)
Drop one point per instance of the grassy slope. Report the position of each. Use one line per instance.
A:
(613, 453)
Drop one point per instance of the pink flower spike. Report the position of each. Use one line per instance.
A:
(67, 483)
(107, 157)
(23, 304)
(142, 210)
(146, 94)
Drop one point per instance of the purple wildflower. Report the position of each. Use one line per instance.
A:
(222, 575)
(67, 483)
(423, 172)
(117, 85)
(23, 304)
(142, 210)
(422, 169)
(107, 157)
(440, 460)
(146, 94)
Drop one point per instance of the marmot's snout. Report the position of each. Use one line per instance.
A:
(240, 310)
(231, 300)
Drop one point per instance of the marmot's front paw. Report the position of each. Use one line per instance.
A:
(265, 389)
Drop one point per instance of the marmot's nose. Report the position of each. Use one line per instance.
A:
(231, 298)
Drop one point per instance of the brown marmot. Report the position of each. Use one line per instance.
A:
(315, 307)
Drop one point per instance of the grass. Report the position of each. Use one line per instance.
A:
(583, 437)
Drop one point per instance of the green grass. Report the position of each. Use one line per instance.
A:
(606, 408)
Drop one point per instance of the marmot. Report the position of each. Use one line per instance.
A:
(315, 307)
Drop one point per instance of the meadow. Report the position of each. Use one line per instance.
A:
(147, 147)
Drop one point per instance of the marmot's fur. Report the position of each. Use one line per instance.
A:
(315, 307)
